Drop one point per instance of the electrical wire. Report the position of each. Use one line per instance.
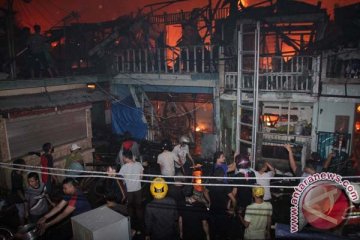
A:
(159, 116)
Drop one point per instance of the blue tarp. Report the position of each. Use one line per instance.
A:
(126, 117)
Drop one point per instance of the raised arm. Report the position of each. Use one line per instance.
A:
(272, 169)
(291, 157)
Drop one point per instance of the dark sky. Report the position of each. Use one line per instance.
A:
(50, 12)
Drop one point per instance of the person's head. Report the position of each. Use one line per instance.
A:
(127, 155)
(258, 192)
(158, 188)
(166, 145)
(184, 140)
(261, 166)
(112, 170)
(19, 161)
(33, 180)
(37, 28)
(69, 186)
(242, 161)
(74, 147)
(47, 147)
(219, 157)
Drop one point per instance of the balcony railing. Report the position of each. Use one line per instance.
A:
(299, 74)
(193, 59)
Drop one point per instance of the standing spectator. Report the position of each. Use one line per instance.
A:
(128, 144)
(167, 160)
(195, 221)
(245, 176)
(37, 47)
(47, 162)
(219, 212)
(257, 220)
(160, 215)
(17, 189)
(73, 203)
(263, 174)
(177, 191)
(309, 168)
(74, 161)
(219, 162)
(36, 197)
(183, 153)
(132, 172)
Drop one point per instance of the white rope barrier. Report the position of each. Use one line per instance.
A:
(97, 174)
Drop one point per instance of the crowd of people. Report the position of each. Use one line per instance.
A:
(182, 207)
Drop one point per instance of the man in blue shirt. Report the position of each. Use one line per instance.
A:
(73, 203)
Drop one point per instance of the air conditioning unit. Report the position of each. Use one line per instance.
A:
(101, 223)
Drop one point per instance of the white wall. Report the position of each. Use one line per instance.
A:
(329, 109)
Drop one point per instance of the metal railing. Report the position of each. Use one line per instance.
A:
(192, 59)
(278, 75)
(180, 17)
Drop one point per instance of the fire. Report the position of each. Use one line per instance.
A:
(245, 3)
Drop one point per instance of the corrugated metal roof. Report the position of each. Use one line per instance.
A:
(51, 99)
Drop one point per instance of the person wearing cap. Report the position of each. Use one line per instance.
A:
(74, 161)
(244, 176)
(161, 214)
(183, 153)
(257, 220)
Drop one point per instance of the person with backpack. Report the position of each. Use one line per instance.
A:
(128, 145)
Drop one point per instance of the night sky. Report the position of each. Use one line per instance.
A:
(48, 13)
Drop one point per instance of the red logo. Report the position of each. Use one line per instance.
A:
(324, 206)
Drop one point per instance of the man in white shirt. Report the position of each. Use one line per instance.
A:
(257, 220)
(182, 152)
(167, 159)
(263, 174)
(132, 173)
